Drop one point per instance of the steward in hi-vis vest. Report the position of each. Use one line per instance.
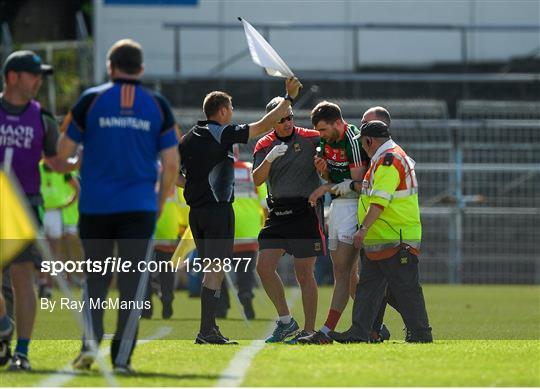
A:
(166, 235)
(248, 209)
(390, 232)
(249, 214)
(390, 183)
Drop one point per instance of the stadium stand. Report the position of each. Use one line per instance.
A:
(479, 183)
(400, 108)
(489, 109)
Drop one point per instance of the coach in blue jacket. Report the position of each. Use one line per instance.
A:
(124, 128)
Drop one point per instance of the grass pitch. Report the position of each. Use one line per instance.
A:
(485, 336)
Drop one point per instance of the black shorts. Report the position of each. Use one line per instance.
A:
(213, 230)
(295, 226)
(31, 252)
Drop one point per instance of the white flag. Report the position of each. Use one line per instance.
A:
(263, 54)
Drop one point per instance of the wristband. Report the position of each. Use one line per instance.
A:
(287, 97)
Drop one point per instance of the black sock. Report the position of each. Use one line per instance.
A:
(209, 299)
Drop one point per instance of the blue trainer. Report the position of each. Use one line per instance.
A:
(283, 331)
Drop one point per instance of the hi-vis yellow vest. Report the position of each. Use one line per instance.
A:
(248, 212)
(53, 188)
(168, 224)
(183, 209)
(391, 183)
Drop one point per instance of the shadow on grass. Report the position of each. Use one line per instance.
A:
(53, 371)
(189, 376)
(170, 319)
(251, 321)
(95, 373)
(197, 320)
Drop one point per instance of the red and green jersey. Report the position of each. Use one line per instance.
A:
(344, 154)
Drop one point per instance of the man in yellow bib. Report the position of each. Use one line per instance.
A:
(59, 191)
(250, 215)
(390, 232)
(165, 242)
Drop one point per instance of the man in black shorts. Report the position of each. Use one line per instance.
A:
(284, 159)
(208, 160)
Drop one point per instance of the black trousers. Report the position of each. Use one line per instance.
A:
(388, 299)
(400, 275)
(245, 279)
(164, 278)
(131, 233)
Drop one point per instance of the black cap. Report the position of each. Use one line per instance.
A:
(26, 61)
(374, 129)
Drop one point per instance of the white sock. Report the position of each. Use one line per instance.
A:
(325, 330)
(285, 319)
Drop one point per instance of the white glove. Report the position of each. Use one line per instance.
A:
(276, 152)
(342, 188)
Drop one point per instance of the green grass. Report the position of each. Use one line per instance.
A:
(444, 363)
(485, 336)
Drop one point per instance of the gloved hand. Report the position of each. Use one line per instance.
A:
(342, 188)
(276, 152)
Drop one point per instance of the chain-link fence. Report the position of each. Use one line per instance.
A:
(73, 64)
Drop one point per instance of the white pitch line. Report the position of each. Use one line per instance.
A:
(235, 372)
(67, 373)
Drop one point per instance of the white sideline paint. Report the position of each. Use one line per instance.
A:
(235, 372)
(67, 373)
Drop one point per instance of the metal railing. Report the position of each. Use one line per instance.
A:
(83, 48)
(479, 182)
(355, 28)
